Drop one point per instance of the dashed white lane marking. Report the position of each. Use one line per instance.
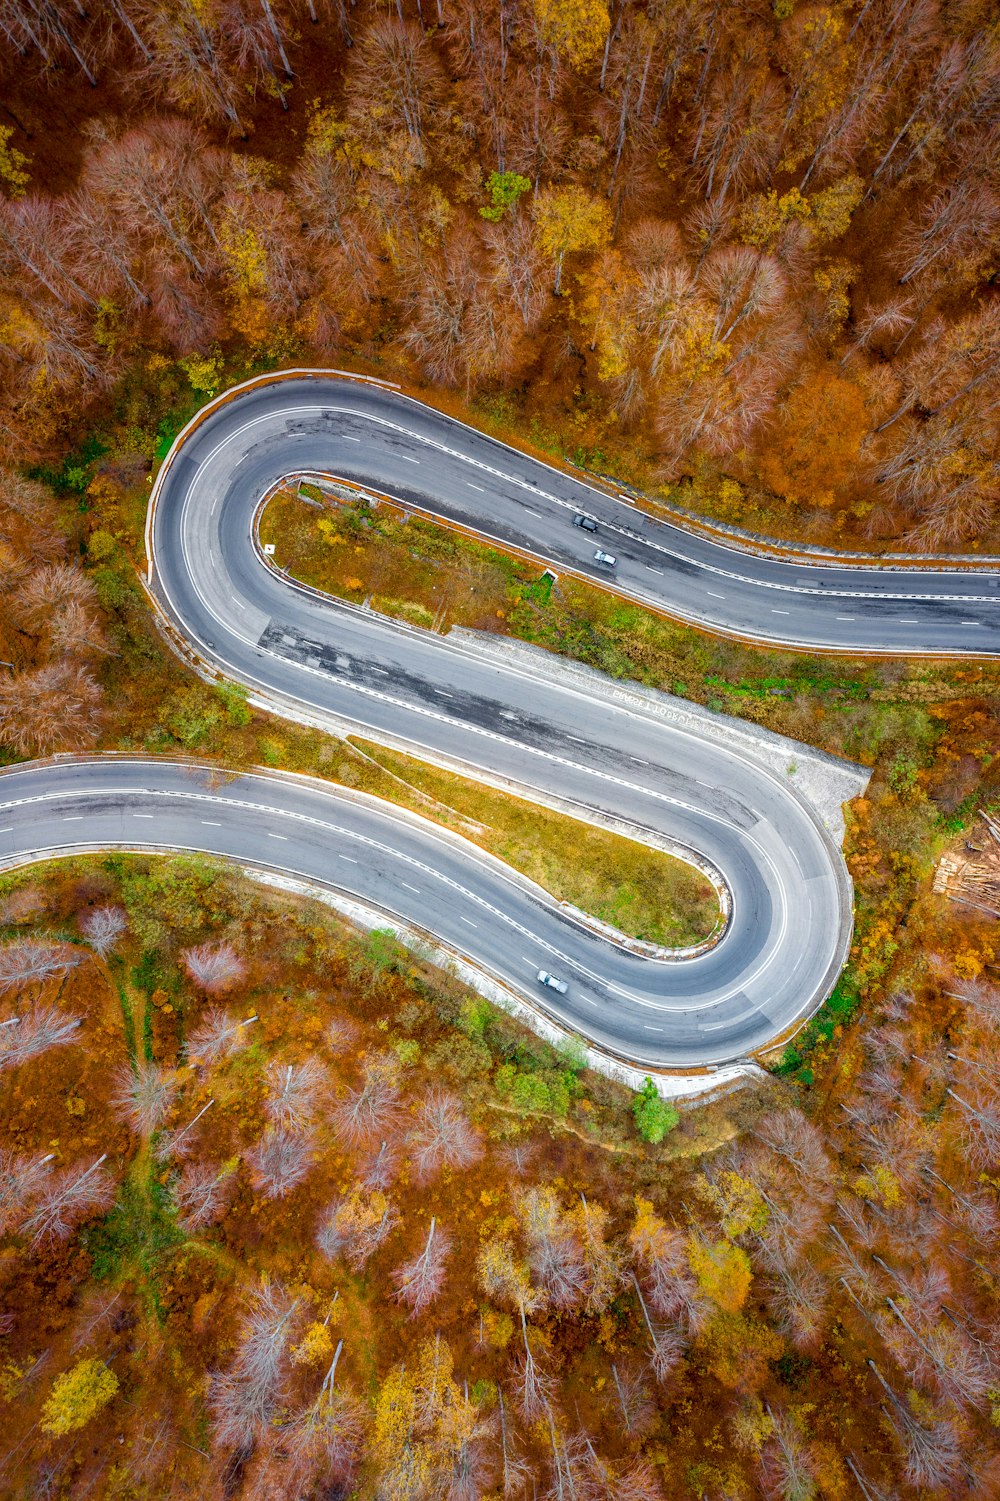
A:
(538, 514)
(350, 860)
(142, 815)
(577, 739)
(406, 456)
(668, 550)
(415, 889)
(7, 831)
(383, 672)
(74, 818)
(650, 569)
(779, 612)
(844, 617)
(968, 622)
(480, 488)
(714, 595)
(348, 439)
(282, 837)
(637, 761)
(210, 823)
(908, 622)
(469, 921)
(647, 1028)
(443, 693)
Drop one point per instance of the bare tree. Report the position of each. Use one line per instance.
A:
(27, 959)
(294, 1092)
(178, 1143)
(442, 1137)
(68, 1197)
(666, 1345)
(535, 1386)
(145, 1094)
(798, 1302)
(40, 1028)
(279, 1162)
(396, 81)
(514, 1468)
(354, 1227)
(932, 1450)
(635, 1400)
(602, 1261)
(342, 1034)
(187, 59)
(419, 1280)
(382, 1167)
(325, 1438)
(660, 1252)
(247, 1397)
(800, 1143)
(50, 589)
(54, 707)
(363, 1114)
(165, 178)
(102, 927)
(786, 1471)
(34, 239)
(21, 1180)
(76, 631)
(981, 1127)
(213, 967)
(555, 1255)
(218, 1035)
(201, 1194)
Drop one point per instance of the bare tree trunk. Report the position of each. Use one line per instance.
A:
(273, 25)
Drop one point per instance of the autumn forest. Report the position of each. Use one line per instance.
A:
(286, 1210)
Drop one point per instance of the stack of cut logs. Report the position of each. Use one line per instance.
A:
(972, 875)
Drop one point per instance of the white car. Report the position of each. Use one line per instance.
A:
(606, 559)
(552, 981)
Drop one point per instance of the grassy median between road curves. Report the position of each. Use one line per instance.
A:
(640, 891)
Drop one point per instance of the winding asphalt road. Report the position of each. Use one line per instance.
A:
(342, 667)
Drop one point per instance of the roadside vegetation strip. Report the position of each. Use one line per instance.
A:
(633, 888)
(425, 573)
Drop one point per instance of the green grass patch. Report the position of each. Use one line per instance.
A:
(137, 1236)
(838, 1011)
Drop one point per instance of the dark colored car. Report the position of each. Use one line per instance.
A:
(587, 522)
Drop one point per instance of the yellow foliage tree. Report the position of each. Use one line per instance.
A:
(738, 1203)
(881, 1186)
(423, 1426)
(737, 1350)
(12, 165)
(832, 208)
(246, 271)
(606, 310)
(503, 1277)
(576, 29)
(570, 220)
(401, 1460)
(723, 1271)
(650, 1236)
(315, 1347)
(77, 1396)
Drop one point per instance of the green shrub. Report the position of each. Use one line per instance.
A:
(653, 1117)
